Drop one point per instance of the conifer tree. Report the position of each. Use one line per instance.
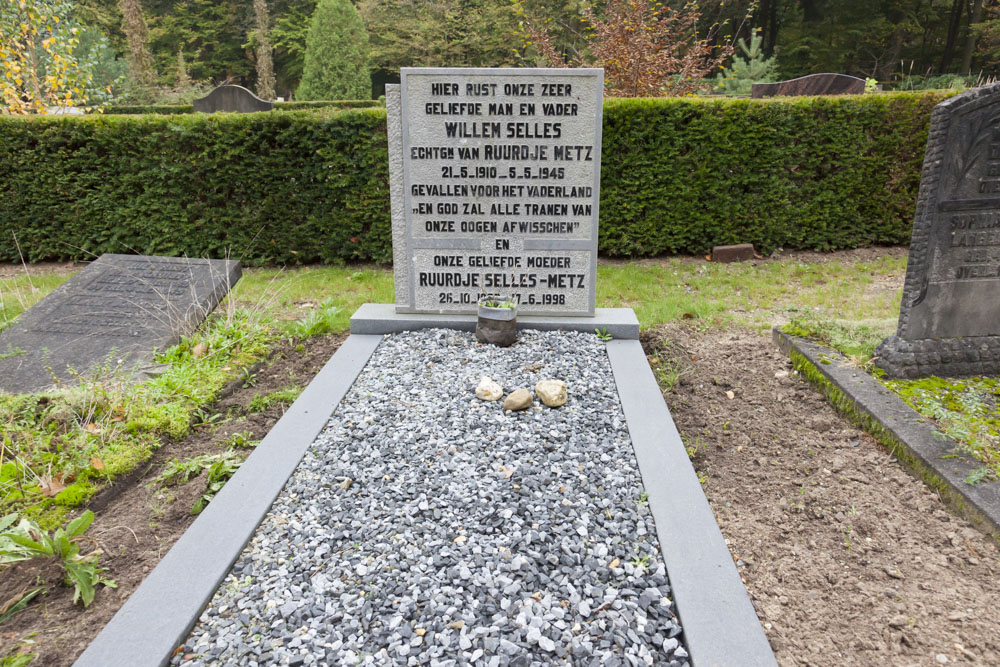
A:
(139, 60)
(265, 64)
(336, 61)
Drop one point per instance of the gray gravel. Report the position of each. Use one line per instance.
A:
(427, 527)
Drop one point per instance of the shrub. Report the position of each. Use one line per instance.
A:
(679, 176)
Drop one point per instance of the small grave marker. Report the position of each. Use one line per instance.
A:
(495, 184)
(231, 98)
(949, 320)
(812, 84)
(120, 305)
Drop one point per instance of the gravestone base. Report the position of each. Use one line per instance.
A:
(941, 357)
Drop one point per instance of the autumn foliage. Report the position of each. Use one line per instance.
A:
(646, 48)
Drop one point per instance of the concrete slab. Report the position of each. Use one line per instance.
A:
(911, 437)
(160, 613)
(719, 621)
(382, 318)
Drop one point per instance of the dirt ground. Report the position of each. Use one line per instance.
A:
(136, 525)
(849, 560)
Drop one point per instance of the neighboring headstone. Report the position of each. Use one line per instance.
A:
(732, 253)
(120, 307)
(949, 320)
(495, 184)
(812, 84)
(231, 98)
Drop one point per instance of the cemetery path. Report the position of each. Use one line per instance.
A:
(847, 557)
(137, 522)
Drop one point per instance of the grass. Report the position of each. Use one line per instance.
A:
(58, 449)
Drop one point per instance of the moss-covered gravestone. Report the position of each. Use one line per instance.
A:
(949, 320)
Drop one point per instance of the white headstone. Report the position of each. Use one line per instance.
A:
(495, 184)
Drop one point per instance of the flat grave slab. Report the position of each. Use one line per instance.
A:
(114, 312)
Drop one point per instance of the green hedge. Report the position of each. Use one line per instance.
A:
(172, 109)
(679, 176)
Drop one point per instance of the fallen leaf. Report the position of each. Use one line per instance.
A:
(708, 258)
(199, 350)
(346, 484)
(687, 316)
(460, 539)
(96, 463)
(91, 427)
(51, 486)
(457, 625)
(507, 472)
(730, 394)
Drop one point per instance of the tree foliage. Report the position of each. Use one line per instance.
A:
(265, 64)
(646, 48)
(742, 73)
(336, 59)
(441, 33)
(42, 63)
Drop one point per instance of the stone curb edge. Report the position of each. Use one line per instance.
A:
(908, 435)
(157, 617)
(382, 318)
(719, 621)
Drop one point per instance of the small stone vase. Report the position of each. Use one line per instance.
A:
(497, 326)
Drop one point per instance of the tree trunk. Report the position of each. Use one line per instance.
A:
(970, 41)
(954, 21)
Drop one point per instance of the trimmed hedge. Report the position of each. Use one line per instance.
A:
(679, 176)
(172, 109)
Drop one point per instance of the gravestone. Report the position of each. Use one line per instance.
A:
(120, 307)
(949, 320)
(231, 98)
(495, 184)
(812, 84)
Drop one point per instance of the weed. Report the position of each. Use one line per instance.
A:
(319, 321)
(11, 610)
(641, 561)
(241, 440)
(17, 660)
(643, 498)
(285, 397)
(979, 475)
(603, 334)
(669, 374)
(218, 469)
(26, 540)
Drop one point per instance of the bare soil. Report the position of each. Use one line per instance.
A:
(849, 560)
(138, 521)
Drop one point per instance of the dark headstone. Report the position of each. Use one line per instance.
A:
(949, 320)
(231, 98)
(120, 307)
(813, 84)
(732, 253)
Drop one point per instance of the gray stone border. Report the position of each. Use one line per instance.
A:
(158, 616)
(382, 318)
(915, 441)
(719, 621)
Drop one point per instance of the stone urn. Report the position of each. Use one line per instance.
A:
(497, 321)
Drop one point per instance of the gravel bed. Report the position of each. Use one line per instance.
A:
(427, 527)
